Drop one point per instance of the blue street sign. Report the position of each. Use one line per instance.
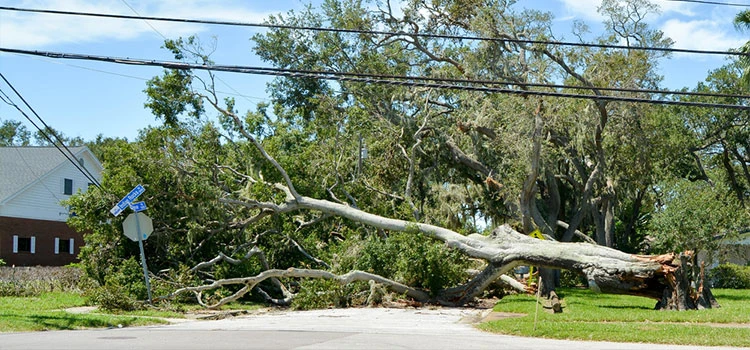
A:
(125, 201)
(138, 206)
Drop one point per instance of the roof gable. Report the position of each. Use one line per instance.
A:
(21, 167)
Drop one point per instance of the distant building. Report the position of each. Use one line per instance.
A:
(33, 181)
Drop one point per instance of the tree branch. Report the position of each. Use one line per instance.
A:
(251, 282)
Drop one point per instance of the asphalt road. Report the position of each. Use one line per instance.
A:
(320, 329)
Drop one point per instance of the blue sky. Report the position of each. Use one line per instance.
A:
(83, 98)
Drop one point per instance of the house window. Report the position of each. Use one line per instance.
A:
(24, 244)
(64, 246)
(68, 188)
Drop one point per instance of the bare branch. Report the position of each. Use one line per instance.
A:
(577, 233)
(251, 282)
(306, 254)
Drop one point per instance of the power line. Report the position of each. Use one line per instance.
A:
(387, 33)
(47, 59)
(711, 2)
(165, 38)
(70, 158)
(375, 79)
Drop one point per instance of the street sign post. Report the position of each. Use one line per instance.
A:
(140, 235)
(138, 206)
(130, 226)
(125, 201)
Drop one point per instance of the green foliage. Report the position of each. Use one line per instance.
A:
(14, 133)
(414, 260)
(692, 214)
(123, 287)
(112, 298)
(570, 279)
(394, 150)
(322, 294)
(169, 96)
(730, 276)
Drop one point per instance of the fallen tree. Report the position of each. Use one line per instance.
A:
(668, 278)
(671, 279)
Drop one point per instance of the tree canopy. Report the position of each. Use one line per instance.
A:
(324, 177)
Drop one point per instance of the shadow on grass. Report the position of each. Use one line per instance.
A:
(62, 321)
(625, 307)
(721, 297)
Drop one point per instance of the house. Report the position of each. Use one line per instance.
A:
(736, 250)
(33, 182)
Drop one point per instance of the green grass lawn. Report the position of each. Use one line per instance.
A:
(621, 318)
(45, 312)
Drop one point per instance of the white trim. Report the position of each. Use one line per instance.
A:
(33, 245)
(57, 245)
(15, 243)
(72, 246)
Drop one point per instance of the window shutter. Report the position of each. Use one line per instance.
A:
(15, 244)
(57, 245)
(33, 245)
(72, 246)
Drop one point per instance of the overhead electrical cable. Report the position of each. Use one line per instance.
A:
(57, 142)
(165, 38)
(9, 101)
(378, 32)
(381, 79)
(52, 60)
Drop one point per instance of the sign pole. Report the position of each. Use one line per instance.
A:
(143, 257)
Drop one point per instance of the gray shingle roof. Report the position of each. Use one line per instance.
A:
(22, 166)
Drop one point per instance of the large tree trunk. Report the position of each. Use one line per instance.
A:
(607, 270)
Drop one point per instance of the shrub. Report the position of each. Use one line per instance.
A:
(122, 288)
(112, 297)
(731, 276)
(322, 294)
(413, 259)
(571, 279)
(32, 281)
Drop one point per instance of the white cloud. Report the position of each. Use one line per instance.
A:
(582, 9)
(701, 34)
(587, 9)
(35, 30)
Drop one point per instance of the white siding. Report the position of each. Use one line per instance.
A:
(41, 200)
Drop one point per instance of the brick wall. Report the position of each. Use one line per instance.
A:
(45, 233)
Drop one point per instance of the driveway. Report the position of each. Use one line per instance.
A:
(361, 328)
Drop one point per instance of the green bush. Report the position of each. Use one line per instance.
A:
(322, 294)
(113, 297)
(571, 279)
(413, 259)
(122, 288)
(731, 276)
